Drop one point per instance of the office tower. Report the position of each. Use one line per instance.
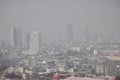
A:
(35, 42)
(70, 32)
(94, 38)
(27, 39)
(40, 38)
(87, 34)
(111, 37)
(16, 37)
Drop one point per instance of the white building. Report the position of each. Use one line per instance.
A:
(34, 43)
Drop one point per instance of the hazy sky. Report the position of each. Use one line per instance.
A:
(51, 17)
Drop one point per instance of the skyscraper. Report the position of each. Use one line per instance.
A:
(70, 32)
(35, 42)
(27, 39)
(16, 37)
(87, 34)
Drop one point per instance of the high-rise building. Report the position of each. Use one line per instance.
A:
(35, 42)
(70, 32)
(87, 34)
(94, 38)
(27, 39)
(16, 37)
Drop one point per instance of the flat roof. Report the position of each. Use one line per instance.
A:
(116, 58)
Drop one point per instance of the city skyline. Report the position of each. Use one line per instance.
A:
(52, 17)
(59, 39)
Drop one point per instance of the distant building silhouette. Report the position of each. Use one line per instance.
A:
(70, 32)
(16, 37)
(87, 34)
(94, 38)
(27, 39)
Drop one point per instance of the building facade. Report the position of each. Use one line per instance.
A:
(70, 32)
(35, 42)
(16, 37)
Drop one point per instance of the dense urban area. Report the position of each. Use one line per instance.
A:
(68, 60)
(59, 39)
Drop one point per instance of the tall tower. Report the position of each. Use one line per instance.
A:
(16, 37)
(35, 42)
(87, 34)
(27, 39)
(70, 32)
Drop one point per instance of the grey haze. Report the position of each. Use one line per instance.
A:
(51, 17)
